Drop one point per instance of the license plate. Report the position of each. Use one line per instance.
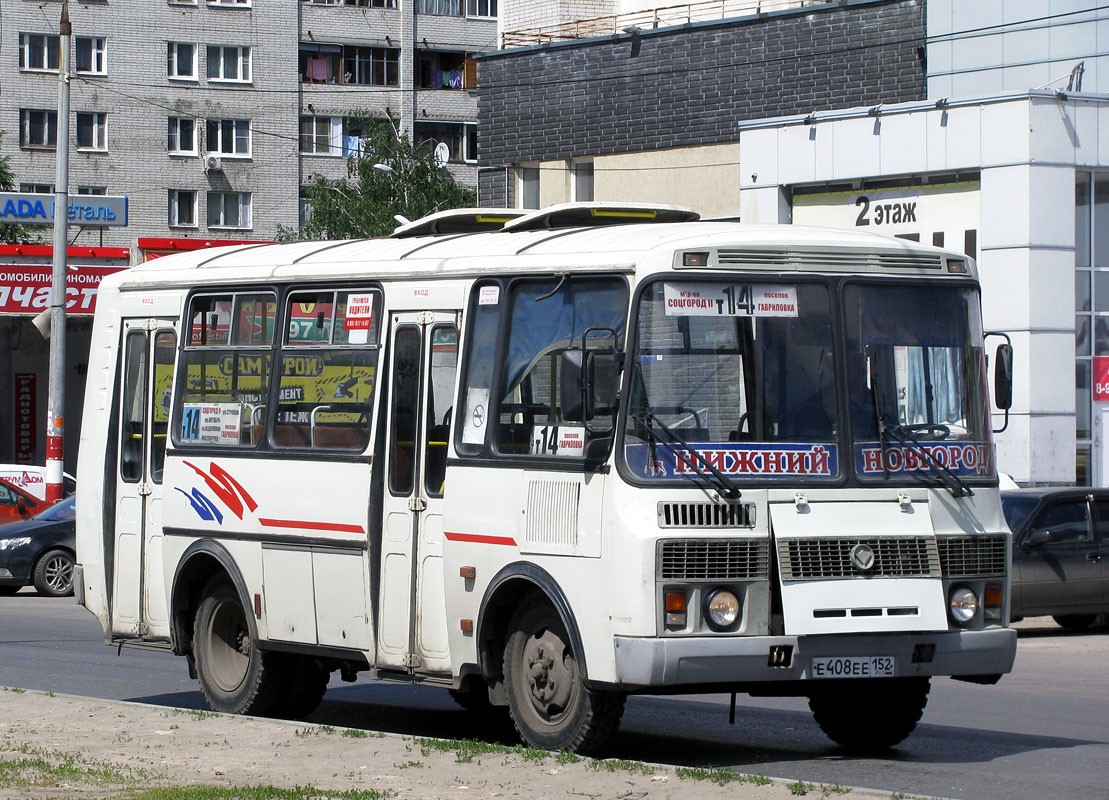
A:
(853, 667)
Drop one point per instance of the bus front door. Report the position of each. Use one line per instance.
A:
(138, 596)
(412, 629)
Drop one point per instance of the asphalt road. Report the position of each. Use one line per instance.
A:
(1042, 732)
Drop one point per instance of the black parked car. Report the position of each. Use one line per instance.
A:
(1060, 553)
(40, 550)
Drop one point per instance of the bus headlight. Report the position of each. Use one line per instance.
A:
(721, 609)
(963, 603)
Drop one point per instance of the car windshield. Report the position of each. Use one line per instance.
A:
(61, 510)
(1017, 508)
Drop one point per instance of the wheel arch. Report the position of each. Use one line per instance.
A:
(202, 561)
(502, 597)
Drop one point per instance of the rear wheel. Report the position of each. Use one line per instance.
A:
(550, 705)
(868, 715)
(235, 676)
(308, 680)
(1075, 622)
(54, 573)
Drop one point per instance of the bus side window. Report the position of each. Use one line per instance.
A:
(477, 377)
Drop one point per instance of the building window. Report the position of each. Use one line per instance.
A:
(228, 209)
(38, 128)
(459, 137)
(228, 63)
(442, 70)
(38, 52)
(229, 137)
(36, 188)
(583, 181)
(486, 9)
(527, 187)
(92, 191)
(91, 55)
(182, 208)
(234, 3)
(181, 61)
(181, 136)
(92, 131)
(440, 8)
(361, 3)
(371, 66)
(320, 135)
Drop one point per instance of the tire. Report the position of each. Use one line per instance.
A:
(550, 706)
(235, 676)
(1075, 622)
(867, 716)
(307, 682)
(53, 576)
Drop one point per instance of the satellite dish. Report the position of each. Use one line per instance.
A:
(442, 154)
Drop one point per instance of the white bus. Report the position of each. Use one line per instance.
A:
(545, 461)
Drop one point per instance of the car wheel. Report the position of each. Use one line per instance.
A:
(550, 704)
(892, 709)
(1075, 622)
(236, 677)
(53, 576)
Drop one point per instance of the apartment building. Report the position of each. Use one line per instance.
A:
(209, 115)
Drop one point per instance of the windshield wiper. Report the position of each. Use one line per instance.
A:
(692, 458)
(903, 435)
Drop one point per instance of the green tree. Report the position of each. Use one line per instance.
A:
(15, 234)
(363, 204)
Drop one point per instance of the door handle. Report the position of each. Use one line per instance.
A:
(1095, 557)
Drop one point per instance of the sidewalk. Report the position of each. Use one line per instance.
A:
(60, 746)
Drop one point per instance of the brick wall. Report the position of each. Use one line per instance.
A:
(691, 85)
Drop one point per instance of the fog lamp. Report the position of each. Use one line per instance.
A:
(721, 609)
(963, 603)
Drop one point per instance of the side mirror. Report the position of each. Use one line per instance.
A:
(1003, 376)
(575, 385)
(1038, 539)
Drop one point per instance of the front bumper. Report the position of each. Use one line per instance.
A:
(678, 661)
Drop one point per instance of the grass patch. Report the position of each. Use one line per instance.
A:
(355, 733)
(721, 777)
(40, 771)
(800, 788)
(566, 757)
(465, 750)
(621, 765)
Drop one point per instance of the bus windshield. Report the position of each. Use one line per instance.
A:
(742, 371)
(916, 380)
(745, 374)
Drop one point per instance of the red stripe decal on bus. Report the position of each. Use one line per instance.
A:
(312, 526)
(480, 539)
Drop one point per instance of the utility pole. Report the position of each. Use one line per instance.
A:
(55, 412)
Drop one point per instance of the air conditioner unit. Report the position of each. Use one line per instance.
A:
(213, 163)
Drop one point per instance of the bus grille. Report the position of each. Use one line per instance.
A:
(972, 556)
(706, 515)
(826, 558)
(713, 559)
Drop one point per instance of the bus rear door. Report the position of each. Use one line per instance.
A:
(413, 626)
(138, 599)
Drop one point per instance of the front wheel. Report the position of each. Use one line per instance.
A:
(1075, 622)
(235, 676)
(868, 715)
(54, 574)
(551, 707)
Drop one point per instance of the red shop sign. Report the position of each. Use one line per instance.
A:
(1101, 379)
(25, 288)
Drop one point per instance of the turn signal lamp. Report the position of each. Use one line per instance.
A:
(957, 266)
(695, 259)
(676, 611)
(991, 604)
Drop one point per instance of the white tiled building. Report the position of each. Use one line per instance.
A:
(269, 88)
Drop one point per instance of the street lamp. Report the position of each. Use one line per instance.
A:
(384, 168)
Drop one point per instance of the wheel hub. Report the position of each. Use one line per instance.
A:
(550, 673)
